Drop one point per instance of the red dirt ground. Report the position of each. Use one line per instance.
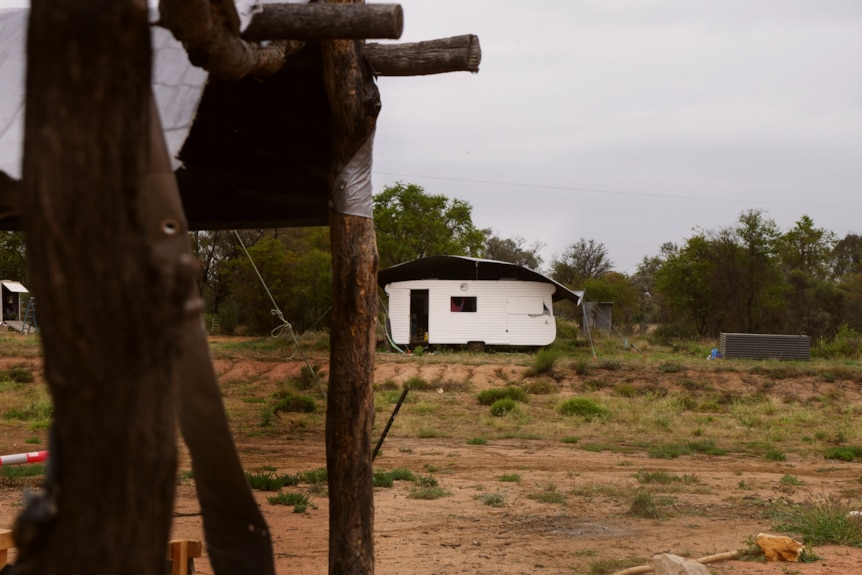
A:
(460, 534)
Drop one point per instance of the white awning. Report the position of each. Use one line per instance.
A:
(15, 287)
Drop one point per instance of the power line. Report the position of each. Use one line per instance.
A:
(615, 192)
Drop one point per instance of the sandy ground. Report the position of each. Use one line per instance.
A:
(460, 533)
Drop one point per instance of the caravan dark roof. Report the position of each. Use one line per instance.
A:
(467, 268)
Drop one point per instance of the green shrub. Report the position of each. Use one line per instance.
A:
(644, 505)
(17, 375)
(502, 406)
(295, 404)
(266, 480)
(299, 501)
(417, 383)
(489, 396)
(493, 499)
(668, 451)
(543, 362)
(843, 453)
(583, 407)
(820, 522)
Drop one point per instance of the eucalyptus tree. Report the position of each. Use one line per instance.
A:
(808, 262)
(580, 261)
(412, 224)
(514, 250)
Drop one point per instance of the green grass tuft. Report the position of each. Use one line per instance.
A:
(583, 407)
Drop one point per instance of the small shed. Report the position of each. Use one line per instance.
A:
(10, 295)
(597, 316)
(456, 300)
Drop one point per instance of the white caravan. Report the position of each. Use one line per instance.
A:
(452, 300)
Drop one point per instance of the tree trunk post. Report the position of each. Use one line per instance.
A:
(355, 103)
(109, 305)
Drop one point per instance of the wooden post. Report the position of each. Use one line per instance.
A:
(355, 104)
(108, 309)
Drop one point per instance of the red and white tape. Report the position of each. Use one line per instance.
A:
(18, 458)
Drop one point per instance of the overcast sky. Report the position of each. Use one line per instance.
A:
(633, 122)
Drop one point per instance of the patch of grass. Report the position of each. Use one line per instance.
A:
(299, 501)
(490, 396)
(430, 433)
(267, 480)
(295, 404)
(420, 492)
(843, 453)
(821, 521)
(384, 478)
(38, 410)
(17, 375)
(790, 480)
(570, 439)
(502, 406)
(774, 455)
(19, 471)
(417, 383)
(706, 446)
(665, 478)
(543, 362)
(610, 364)
(33, 440)
(645, 506)
(510, 478)
(668, 450)
(583, 407)
(541, 387)
(493, 499)
(477, 441)
(582, 367)
(670, 367)
(548, 494)
(313, 476)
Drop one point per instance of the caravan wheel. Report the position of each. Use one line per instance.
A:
(476, 346)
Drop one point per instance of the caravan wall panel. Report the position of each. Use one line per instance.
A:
(508, 312)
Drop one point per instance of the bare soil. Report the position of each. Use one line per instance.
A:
(460, 533)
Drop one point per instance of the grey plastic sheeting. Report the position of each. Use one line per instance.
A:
(178, 87)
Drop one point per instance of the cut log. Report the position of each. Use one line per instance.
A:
(455, 54)
(322, 21)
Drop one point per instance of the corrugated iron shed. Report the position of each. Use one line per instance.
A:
(764, 346)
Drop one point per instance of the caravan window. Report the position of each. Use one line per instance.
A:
(462, 304)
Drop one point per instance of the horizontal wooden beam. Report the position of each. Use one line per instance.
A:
(455, 54)
(323, 21)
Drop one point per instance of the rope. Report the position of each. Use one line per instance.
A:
(386, 326)
(285, 325)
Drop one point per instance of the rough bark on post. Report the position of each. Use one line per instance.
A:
(108, 309)
(355, 103)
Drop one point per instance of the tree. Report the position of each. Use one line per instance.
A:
(807, 258)
(759, 278)
(13, 265)
(621, 290)
(581, 261)
(848, 255)
(411, 224)
(514, 250)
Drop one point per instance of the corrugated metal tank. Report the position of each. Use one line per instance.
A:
(764, 346)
